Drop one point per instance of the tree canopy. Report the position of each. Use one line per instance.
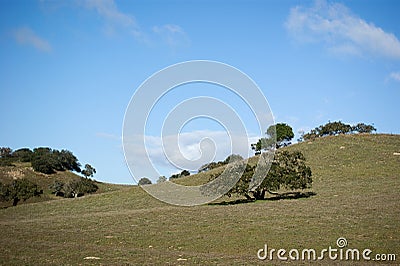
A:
(280, 134)
(19, 189)
(336, 128)
(288, 170)
(144, 181)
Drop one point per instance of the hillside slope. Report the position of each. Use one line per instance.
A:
(356, 181)
(24, 170)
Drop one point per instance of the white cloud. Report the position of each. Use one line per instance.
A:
(395, 76)
(108, 10)
(172, 34)
(27, 36)
(341, 30)
(188, 150)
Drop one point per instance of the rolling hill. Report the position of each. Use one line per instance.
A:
(356, 182)
(24, 170)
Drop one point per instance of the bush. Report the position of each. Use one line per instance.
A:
(74, 188)
(23, 155)
(20, 189)
(144, 181)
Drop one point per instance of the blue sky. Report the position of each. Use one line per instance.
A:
(69, 68)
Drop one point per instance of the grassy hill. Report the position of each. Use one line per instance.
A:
(24, 170)
(356, 181)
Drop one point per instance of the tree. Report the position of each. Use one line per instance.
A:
(288, 170)
(284, 134)
(68, 161)
(19, 189)
(181, 174)
(363, 128)
(5, 152)
(43, 163)
(23, 155)
(43, 160)
(279, 135)
(79, 187)
(144, 181)
(161, 179)
(336, 128)
(57, 188)
(232, 158)
(47, 161)
(88, 171)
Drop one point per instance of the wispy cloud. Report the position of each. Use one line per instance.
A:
(188, 150)
(108, 136)
(109, 11)
(27, 36)
(395, 76)
(342, 31)
(173, 35)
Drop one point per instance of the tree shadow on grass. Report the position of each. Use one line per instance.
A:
(292, 195)
(280, 196)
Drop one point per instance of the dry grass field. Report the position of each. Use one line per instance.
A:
(356, 185)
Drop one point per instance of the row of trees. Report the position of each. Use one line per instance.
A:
(146, 181)
(23, 189)
(281, 134)
(45, 160)
(212, 165)
(336, 128)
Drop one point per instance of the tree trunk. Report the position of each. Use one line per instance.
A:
(259, 195)
(15, 201)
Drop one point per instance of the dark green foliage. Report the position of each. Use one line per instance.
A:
(336, 128)
(144, 181)
(66, 160)
(263, 144)
(23, 155)
(74, 188)
(4, 192)
(6, 162)
(363, 128)
(20, 189)
(231, 158)
(5, 152)
(47, 161)
(79, 187)
(57, 188)
(181, 174)
(5, 156)
(89, 171)
(279, 135)
(288, 170)
(283, 134)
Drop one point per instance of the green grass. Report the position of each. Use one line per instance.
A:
(356, 181)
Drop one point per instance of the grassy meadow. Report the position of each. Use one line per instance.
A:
(356, 181)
